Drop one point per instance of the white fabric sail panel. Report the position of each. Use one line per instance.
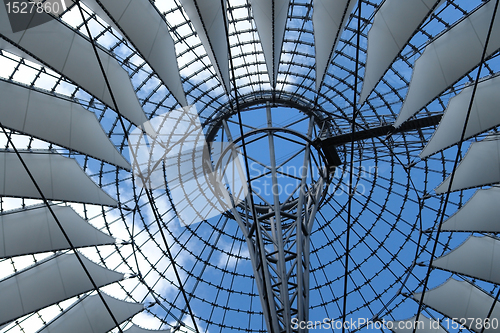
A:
(91, 316)
(329, 19)
(207, 17)
(439, 66)
(56, 120)
(271, 29)
(35, 230)
(480, 166)
(476, 257)
(6, 46)
(149, 33)
(424, 325)
(72, 55)
(460, 299)
(394, 24)
(137, 329)
(479, 214)
(48, 282)
(59, 178)
(483, 116)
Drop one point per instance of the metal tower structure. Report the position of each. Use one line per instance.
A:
(276, 220)
(277, 217)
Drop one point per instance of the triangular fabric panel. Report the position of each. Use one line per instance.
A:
(34, 230)
(148, 32)
(424, 325)
(479, 214)
(329, 19)
(476, 257)
(56, 120)
(480, 166)
(483, 116)
(90, 316)
(72, 55)
(59, 178)
(460, 299)
(271, 31)
(137, 329)
(208, 18)
(439, 66)
(394, 24)
(48, 282)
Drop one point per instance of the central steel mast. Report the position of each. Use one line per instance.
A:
(277, 232)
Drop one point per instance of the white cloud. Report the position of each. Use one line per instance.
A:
(231, 254)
